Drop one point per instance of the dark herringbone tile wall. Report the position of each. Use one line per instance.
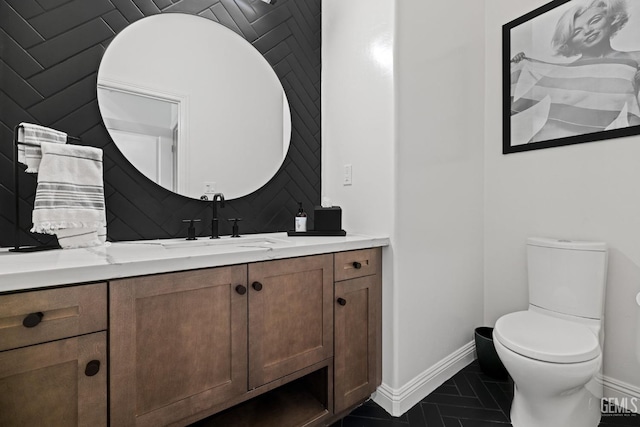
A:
(50, 51)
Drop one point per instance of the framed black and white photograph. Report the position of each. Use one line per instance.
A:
(571, 74)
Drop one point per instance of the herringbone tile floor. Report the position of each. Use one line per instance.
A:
(469, 399)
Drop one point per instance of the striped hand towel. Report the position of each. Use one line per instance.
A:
(70, 195)
(35, 134)
(550, 101)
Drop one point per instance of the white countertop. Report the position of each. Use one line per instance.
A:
(31, 270)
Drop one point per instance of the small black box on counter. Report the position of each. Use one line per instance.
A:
(327, 219)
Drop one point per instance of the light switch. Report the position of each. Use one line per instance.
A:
(347, 178)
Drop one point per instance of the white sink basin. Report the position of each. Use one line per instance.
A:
(226, 241)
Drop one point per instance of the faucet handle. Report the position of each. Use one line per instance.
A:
(235, 228)
(191, 231)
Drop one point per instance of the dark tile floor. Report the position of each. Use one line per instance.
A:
(469, 399)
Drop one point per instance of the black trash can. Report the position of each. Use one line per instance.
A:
(488, 358)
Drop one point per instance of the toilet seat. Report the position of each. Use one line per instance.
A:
(545, 338)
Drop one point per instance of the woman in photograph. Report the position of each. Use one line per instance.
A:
(597, 91)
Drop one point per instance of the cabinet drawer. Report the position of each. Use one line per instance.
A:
(352, 264)
(40, 316)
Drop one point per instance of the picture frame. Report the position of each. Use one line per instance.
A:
(570, 74)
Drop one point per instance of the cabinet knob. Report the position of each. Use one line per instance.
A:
(257, 286)
(93, 367)
(32, 320)
(342, 301)
(241, 289)
(357, 265)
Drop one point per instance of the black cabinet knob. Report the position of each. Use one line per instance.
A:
(32, 320)
(257, 286)
(342, 301)
(357, 265)
(241, 289)
(92, 368)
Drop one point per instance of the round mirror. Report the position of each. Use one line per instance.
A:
(194, 106)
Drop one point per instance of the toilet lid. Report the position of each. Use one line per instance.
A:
(546, 338)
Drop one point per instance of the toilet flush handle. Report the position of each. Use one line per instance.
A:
(638, 298)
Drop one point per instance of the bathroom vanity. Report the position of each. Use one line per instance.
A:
(260, 330)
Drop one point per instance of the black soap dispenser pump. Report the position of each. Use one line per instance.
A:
(301, 220)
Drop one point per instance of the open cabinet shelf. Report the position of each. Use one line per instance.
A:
(302, 402)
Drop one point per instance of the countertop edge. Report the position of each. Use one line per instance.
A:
(104, 264)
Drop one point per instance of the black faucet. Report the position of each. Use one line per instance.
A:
(214, 221)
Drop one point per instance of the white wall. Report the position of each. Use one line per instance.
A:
(586, 191)
(439, 189)
(418, 177)
(357, 111)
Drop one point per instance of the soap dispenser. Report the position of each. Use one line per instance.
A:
(301, 220)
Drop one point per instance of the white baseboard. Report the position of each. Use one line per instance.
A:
(398, 401)
(623, 394)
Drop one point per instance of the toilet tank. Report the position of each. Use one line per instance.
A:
(567, 277)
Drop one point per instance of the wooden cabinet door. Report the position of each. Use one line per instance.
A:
(357, 340)
(178, 344)
(290, 316)
(50, 384)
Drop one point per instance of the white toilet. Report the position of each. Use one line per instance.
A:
(553, 351)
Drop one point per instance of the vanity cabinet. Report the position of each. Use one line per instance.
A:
(178, 344)
(53, 358)
(289, 343)
(358, 310)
